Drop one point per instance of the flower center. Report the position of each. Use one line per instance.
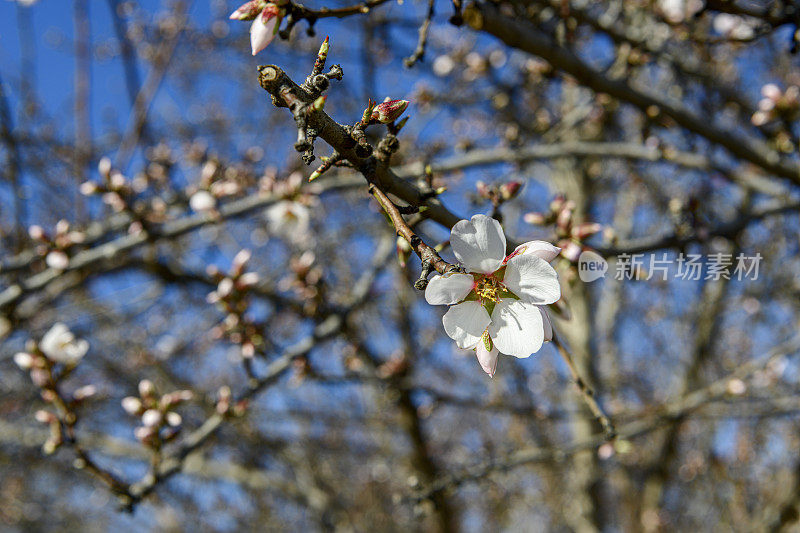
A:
(489, 288)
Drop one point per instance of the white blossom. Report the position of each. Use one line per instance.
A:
(498, 305)
(202, 201)
(289, 219)
(60, 345)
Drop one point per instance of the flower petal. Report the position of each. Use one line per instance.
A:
(487, 358)
(542, 249)
(548, 326)
(517, 328)
(479, 244)
(532, 279)
(262, 33)
(448, 289)
(465, 323)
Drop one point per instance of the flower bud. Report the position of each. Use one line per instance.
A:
(57, 260)
(225, 287)
(389, 111)
(248, 279)
(23, 360)
(510, 189)
(248, 10)
(146, 388)
(202, 201)
(132, 405)
(173, 419)
(88, 188)
(87, 391)
(143, 433)
(45, 417)
(36, 232)
(535, 219)
(151, 418)
(586, 230)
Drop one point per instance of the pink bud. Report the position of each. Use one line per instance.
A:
(248, 10)
(510, 189)
(45, 417)
(264, 28)
(570, 249)
(482, 189)
(586, 230)
(143, 433)
(389, 111)
(536, 219)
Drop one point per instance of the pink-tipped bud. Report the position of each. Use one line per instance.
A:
(389, 111)
(248, 10)
(264, 28)
(535, 219)
(482, 189)
(45, 417)
(104, 167)
(87, 391)
(510, 189)
(586, 230)
(132, 405)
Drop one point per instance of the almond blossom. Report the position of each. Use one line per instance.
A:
(60, 345)
(498, 305)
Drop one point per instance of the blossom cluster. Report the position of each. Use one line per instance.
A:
(570, 233)
(160, 422)
(776, 104)
(54, 247)
(231, 295)
(498, 304)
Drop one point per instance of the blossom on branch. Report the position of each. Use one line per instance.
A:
(60, 345)
(498, 305)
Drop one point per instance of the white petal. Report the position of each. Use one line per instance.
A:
(542, 249)
(261, 34)
(487, 359)
(532, 279)
(465, 323)
(448, 289)
(479, 244)
(517, 328)
(548, 326)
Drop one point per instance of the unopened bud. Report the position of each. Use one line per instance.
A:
(173, 419)
(87, 391)
(23, 360)
(88, 188)
(132, 405)
(586, 230)
(36, 232)
(389, 111)
(57, 260)
(535, 219)
(104, 167)
(44, 417)
(319, 103)
(146, 388)
(510, 189)
(202, 201)
(248, 10)
(151, 418)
